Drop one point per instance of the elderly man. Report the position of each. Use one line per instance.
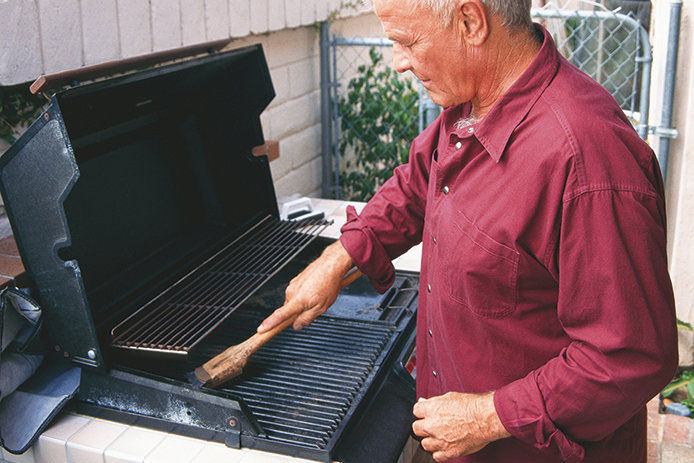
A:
(546, 314)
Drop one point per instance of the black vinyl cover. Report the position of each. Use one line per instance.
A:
(121, 180)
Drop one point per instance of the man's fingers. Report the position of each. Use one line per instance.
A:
(430, 444)
(420, 408)
(418, 428)
(278, 316)
(305, 319)
(441, 456)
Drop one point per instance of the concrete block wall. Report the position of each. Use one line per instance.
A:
(293, 117)
(46, 36)
(54, 35)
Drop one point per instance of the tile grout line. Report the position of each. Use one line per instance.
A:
(197, 454)
(144, 457)
(103, 451)
(67, 455)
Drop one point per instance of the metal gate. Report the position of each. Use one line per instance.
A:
(611, 47)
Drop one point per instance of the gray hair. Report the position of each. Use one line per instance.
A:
(513, 13)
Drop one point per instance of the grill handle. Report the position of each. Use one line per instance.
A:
(230, 363)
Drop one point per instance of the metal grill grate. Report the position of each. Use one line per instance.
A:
(180, 317)
(302, 384)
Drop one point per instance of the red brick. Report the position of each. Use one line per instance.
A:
(653, 404)
(655, 424)
(10, 266)
(8, 247)
(652, 448)
(676, 429)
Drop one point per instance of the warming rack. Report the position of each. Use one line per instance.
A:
(181, 316)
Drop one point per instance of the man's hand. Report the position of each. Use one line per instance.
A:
(457, 424)
(314, 290)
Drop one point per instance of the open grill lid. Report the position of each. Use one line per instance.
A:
(120, 181)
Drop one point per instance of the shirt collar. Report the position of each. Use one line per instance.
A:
(497, 126)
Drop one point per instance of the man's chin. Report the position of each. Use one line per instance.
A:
(444, 101)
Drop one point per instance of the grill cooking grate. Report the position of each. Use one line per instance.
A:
(302, 384)
(180, 317)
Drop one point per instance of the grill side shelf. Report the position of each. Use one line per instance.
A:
(177, 319)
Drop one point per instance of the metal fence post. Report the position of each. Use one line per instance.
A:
(326, 142)
(336, 123)
(669, 90)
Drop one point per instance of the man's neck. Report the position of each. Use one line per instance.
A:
(513, 55)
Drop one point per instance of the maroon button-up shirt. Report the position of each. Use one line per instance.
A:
(544, 269)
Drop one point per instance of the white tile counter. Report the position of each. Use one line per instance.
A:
(73, 438)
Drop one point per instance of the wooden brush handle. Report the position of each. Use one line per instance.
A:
(230, 363)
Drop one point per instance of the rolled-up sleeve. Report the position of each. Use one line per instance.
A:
(616, 304)
(393, 220)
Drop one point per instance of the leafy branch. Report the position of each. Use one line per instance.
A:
(685, 381)
(378, 121)
(18, 108)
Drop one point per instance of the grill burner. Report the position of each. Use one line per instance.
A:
(180, 317)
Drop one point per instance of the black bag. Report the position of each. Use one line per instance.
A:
(31, 393)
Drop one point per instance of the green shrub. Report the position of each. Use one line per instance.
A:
(18, 108)
(379, 120)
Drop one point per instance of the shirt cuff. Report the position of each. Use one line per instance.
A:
(367, 252)
(521, 409)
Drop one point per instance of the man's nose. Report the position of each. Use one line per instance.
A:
(401, 62)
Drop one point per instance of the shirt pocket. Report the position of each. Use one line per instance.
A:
(481, 273)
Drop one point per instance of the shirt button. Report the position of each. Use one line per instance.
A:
(458, 145)
(433, 372)
(428, 288)
(434, 240)
(470, 130)
(431, 335)
(446, 190)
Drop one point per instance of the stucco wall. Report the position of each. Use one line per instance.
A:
(680, 172)
(45, 36)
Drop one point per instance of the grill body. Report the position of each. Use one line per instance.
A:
(152, 237)
(336, 390)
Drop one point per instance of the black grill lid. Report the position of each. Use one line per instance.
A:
(122, 180)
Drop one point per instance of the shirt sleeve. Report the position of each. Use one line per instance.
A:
(393, 220)
(616, 304)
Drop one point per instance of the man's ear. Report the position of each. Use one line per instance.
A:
(471, 19)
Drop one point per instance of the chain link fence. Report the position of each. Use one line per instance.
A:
(375, 113)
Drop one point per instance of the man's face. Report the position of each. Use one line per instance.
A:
(433, 53)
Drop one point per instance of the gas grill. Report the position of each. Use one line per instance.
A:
(152, 237)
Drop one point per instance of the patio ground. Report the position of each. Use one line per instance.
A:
(670, 437)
